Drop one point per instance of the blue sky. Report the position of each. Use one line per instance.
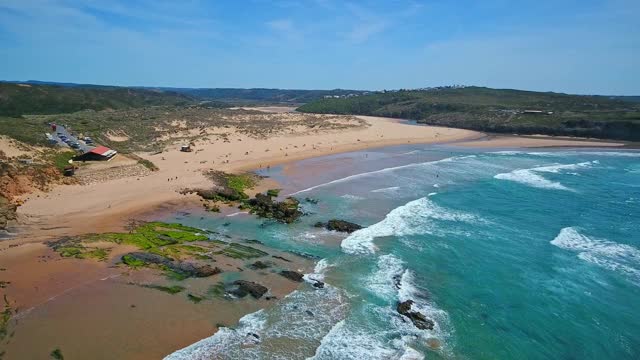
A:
(585, 47)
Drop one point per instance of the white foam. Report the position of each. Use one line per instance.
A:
(610, 255)
(352, 343)
(237, 213)
(318, 272)
(387, 189)
(531, 178)
(385, 282)
(303, 317)
(413, 218)
(223, 340)
(381, 171)
(352, 197)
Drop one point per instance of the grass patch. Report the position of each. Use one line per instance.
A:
(216, 290)
(148, 164)
(174, 289)
(60, 159)
(241, 182)
(273, 192)
(5, 317)
(238, 251)
(194, 298)
(57, 354)
(155, 234)
(73, 248)
(132, 261)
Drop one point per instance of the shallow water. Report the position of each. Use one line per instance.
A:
(513, 254)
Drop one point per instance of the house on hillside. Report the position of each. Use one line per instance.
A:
(100, 153)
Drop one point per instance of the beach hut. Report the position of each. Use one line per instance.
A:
(100, 153)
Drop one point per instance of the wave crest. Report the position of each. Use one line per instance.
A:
(415, 217)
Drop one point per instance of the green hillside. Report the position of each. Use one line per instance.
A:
(496, 110)
(31, 99)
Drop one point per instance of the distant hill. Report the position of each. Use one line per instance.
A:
(498, 110)
(31, 99)
(264, 95)
(232, 95)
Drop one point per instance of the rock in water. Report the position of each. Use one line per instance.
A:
(342, 226)
(418, 319)
(259, 265)
(292, 275)
(285, 211)
(248, 287)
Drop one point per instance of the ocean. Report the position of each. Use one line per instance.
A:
(513, 254)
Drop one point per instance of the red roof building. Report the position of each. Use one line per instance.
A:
(97, 153)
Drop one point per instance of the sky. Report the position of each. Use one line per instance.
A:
(581, 46)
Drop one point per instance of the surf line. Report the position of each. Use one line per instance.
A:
(351, 177)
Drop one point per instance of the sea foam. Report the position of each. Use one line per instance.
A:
(621, 258)
(531, 177)
(303, 317)
(415, 217)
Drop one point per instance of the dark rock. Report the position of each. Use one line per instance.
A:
(285, 211)
(320, 224)
(318, 284)
(342, 226)
(259, 265)
(308, 312)
(311, 200)
(253, 241)
(304, 255)
(248, 287)
(418, 319)
(292, 275)
(280, 257)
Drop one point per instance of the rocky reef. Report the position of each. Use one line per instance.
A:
(187, 268)
(339, 225)
(417, 318)
(265, 206)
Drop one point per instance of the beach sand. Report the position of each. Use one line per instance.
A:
(84, 306)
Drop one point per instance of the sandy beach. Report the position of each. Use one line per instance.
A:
(45, 286)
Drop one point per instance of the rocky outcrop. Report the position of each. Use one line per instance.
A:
(418, 319)
(260, 265)
(292, 275)
(7, 212)
(285, 211)
(188, 268)
(244, 288)
(339, 225)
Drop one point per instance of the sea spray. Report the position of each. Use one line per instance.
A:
(610, 255)
(414, 217)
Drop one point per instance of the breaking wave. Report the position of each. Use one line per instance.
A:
(303, 317)
(413, 218)
(531, 177)
(381, 171)
(621, 258)
(387, 335)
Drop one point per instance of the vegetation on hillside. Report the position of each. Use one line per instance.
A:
(501, 111)
(263, 95)
(27, 99)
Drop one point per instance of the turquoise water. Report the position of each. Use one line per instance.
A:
(513, 255)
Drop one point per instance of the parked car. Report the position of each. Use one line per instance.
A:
(75, 145)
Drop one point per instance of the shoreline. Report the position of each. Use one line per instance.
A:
(74, 209)
(137, 204)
